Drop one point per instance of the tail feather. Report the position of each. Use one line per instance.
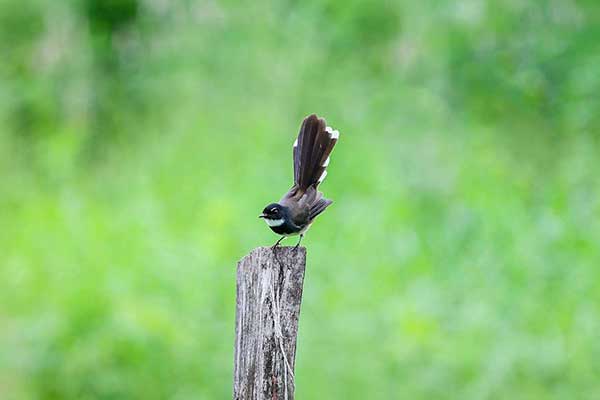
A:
(311, 151)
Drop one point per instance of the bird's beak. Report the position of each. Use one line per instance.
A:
(262, 216)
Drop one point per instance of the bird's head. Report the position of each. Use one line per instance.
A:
(273, 214)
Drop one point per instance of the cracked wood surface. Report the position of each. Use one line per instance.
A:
(269, 294)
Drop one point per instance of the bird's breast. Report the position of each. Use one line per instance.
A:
(286, 228)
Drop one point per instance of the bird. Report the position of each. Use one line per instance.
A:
(299, 207)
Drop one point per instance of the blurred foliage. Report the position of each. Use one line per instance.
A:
(140, 138)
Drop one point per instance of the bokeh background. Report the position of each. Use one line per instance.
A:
(139, 139)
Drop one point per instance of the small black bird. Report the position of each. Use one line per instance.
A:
(299, 207)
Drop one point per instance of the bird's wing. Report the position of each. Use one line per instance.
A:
(318, 207)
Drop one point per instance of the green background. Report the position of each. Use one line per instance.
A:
(139, 140)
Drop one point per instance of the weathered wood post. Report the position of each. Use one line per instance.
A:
(269, 293)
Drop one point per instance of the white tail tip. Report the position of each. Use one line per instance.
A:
(326, 163)
(323, 175)
(333, 134)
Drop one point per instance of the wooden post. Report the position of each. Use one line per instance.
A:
(269, 293)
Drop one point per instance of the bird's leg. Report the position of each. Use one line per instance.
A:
(277, 243)
(299, 240)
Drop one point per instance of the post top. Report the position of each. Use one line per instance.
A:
(285, 252)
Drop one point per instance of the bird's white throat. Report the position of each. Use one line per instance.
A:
(274, 222)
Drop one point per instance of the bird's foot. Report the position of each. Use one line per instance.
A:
(298, 244)
(277, 244)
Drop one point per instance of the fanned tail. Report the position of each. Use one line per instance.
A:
(315, 142)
